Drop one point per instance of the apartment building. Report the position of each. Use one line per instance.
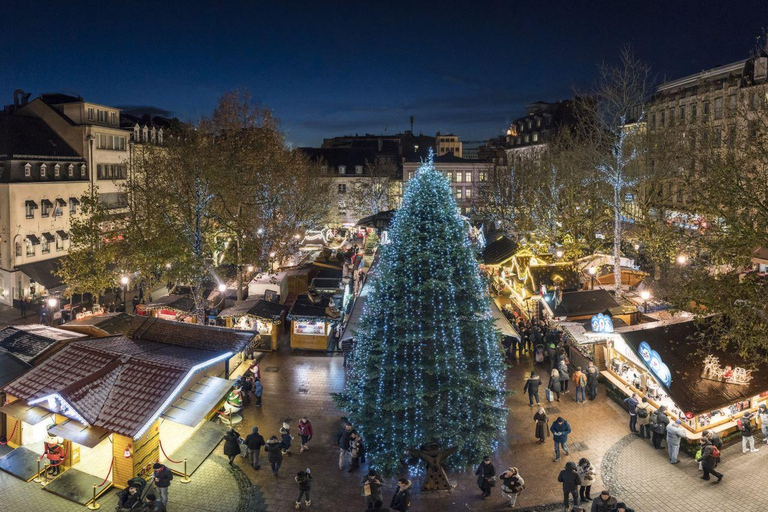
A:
(448, 143)
(464, 175)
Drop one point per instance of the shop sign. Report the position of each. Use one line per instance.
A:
(602, 323)
(654, 362)
(713, 371)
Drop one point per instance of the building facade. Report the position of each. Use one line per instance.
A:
(465, 177)
(448, 143)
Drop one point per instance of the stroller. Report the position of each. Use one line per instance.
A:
(539, 357)
(128, 501)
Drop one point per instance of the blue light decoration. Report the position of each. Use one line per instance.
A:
(654, 362)
(427, 364)
(602, 323)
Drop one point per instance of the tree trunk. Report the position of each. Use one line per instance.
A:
(239, 270)
(617, 240)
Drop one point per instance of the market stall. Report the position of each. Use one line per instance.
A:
(311, 319)
(259, 315)
(179, 308)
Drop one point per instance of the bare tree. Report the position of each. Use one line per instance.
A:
(371, 191)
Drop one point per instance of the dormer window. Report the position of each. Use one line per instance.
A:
(342, 169)
(136, 132)
(160, 136)
(113, 117)
(27, 170)
(71, 170)
(43, 168)
(358, 169)
(145, 134)
(82, 171)
(57, 170)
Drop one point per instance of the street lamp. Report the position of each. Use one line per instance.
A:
(637, 247)
(250, 268)
(51, 306)
(645, 295)
(222, 288)
(592, 271)
(124, 282)
(682, 259)
(559, 253)
(168, 266)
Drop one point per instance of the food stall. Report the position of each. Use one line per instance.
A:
(179, 308)
(311, 320)
(259, 315)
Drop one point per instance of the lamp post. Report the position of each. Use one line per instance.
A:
(645, 295)
(559, 253)
(592, 271)
(682, 259)
(51, 307)
(124, 282)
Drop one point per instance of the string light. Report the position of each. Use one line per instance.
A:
(427, 364)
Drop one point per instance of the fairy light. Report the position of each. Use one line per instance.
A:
(427, 363)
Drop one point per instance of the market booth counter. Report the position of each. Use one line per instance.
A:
(259, 315)
(706, 389)
(121, 403)
(311, 319)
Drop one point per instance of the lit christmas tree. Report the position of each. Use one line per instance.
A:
(427, 363)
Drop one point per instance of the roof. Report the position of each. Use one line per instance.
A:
(684, 356)
(304, 308)
(378, 220)
(43, 272)
(110, 323)
(499, 251)
(259, 308)
(564, 274)
(327, 283)
(119, 383)
(761, 253)
(27, 342)
(30, 136)
(709, 74)
(348, 157)
(583, 303)
(58, 98)
(180, 302)
(447, 158)
(11, 367)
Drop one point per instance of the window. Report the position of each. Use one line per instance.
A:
(113, 142)
(30, 248)
(342, 169)
(47, 207)
(59, 209)
(663, 118)
(732, 104)
(113, 117)
(672, 116)
(324, 169)
(90, 113)
(73, 202)
(82, 171)
(71, 170)
(43, 168)
(110, 171)
(410, 175)
(718, 108)
(705, 112)
(342, 188)
(458, 177)
(458, 193)
(59, 242)
(682, 113)
(653, 120)
(57, 170)
(482, 176)
(468, 193)
(468, 177)
(46, 245)
(358, 169)
(29, 208)
(27, 170)
(153, 136)
(717, 137)
(527, 139)
(535, 137)
(102, 115)
(160, 136)
(136, 133)
(18, 249)
(538, 122)
(693, 111)
(145, 134)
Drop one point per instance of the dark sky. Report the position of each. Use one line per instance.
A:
(330, 67)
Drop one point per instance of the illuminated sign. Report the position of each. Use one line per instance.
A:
(654, 362)
(713, 371)
(602, 323)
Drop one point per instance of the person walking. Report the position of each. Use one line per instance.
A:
(401, 501)
(716, 441)
(486, 476)
(542, 425)
(580, 381)
(258, 390)
(347, 346)
(571, 481)
(747, 433)
(708, 455)
(343, 438)
(631, 404)
(356, 451)
(592, 382)
(23, 306)
(587, 473)
(532, 384)
(304, 481)
(564, 376)
(512, 484)
(232, 445)
(762, 415)
(554, 384)
(372, 488)
(659, 422)
(274, 454)
(253, 443)
(286, 438)
(643, 420)
(675, 433)
(162, 476)
(604, 503)
(560, 430)
(305, 432)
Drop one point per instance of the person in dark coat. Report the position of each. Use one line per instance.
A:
(153, 504)
(560, 430)
(486, 476)
(542, 425)
(378, 506)
(565, 377)
(592, 382)
(343, 438)
(571, 481)
(304, 480)
(554, 383)
(373, 481)
(232, 445)
(401, 501)
(274, 454)
(622, 507)
(128, 498)
(708, 460)
(162, 476)
(604, 503)
(659, 422)
(253, 442)
(532, 384)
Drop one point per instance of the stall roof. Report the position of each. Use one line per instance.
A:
(320, 283)
(43, 272)
(28, 342)
(106, 324)
(357, 312)
(563, 273)
(259, 308)
(179, 302)
(684, 357)
(119, 383)
(499, 251)
(11, 367)
(195, 404)
(504, 325)
(304, 308)
(583, 303)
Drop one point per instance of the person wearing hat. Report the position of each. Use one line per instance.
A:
(762, 415)
(747, 433)
(486, 476)
(675, 433)
(162, 476)
(153, 504)
(372, 488)
(512, 484)
(622, 507)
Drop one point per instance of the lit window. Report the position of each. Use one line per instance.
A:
(458, 193)
(342, 169)
(468, 177)
(458, 177)
(468, 193)
(482, 176)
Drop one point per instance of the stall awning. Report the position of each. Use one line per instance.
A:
(26, 413)
(502, 323)
(74, 200)
(61, 202)
(43, 272)
(63, 234)
(357, 311)
(49, 236)
(30, 204)
(81, 434)
(33, 239)
(198, 401)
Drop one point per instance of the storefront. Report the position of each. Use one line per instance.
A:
(259, 315)
(178, 308)
(703, 387)
(311, 319)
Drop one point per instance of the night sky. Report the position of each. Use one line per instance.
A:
(330, 68)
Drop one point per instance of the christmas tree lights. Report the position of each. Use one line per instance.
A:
(427, 364)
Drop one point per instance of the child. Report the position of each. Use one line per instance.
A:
(286, 438)
(258, 389)
(305, 431)
(304, 479)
